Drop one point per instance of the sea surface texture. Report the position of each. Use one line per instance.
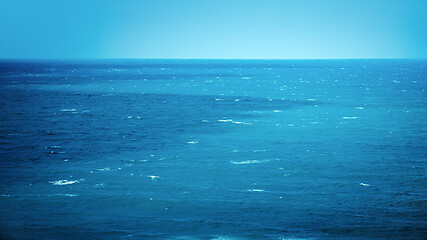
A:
(213, 149)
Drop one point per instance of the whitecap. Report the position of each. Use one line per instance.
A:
(293, 238)
(365, 184)
(106, 169)
(54, 147)
(153, 177)
(63, 195)
(68, 110)
(192, 142)
(350, 117)
(226, 238)
(241, 123)
(276, 111)
(259, 150)
(231, 121)
(256, 190)
(64, 182)
(246, 162)
(225, 120)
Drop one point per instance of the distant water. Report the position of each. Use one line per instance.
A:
(213, 149)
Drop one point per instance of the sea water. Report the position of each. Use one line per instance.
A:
(213, 149)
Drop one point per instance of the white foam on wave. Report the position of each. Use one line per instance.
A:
(153, 177)
(231, 121)
(256, 190)
(68, 110)
(192, 142)
(185, 237)
(99, 185)
(106, 169)
(246, 162)
(63, 195)
(227, 238)
(54, 147)
(249, 162)
(365, 184)
(136, 117)
(64, 182)
(259, 150)
(294, 238)
(350, 118)
(241, 123)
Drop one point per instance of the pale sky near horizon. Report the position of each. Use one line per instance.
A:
(254, 29)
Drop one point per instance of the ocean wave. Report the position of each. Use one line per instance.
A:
(350, 117)
(241, 123)
(64, 182)
(248, 162)
(294, 238)
(231, 121)
(68, 110)
(153, 177)
(54, 147)
(63, 195)
(256, 190)
(106, 169)
(259, 150)
(225, 120)
(212, 238)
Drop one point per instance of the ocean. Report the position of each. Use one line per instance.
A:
(213, 149)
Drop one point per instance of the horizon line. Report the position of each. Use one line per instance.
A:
(142, 58)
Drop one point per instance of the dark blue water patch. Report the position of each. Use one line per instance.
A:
(87, 124)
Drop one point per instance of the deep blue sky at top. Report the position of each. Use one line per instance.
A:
(268, 29)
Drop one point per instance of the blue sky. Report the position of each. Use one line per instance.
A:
(266, 29)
